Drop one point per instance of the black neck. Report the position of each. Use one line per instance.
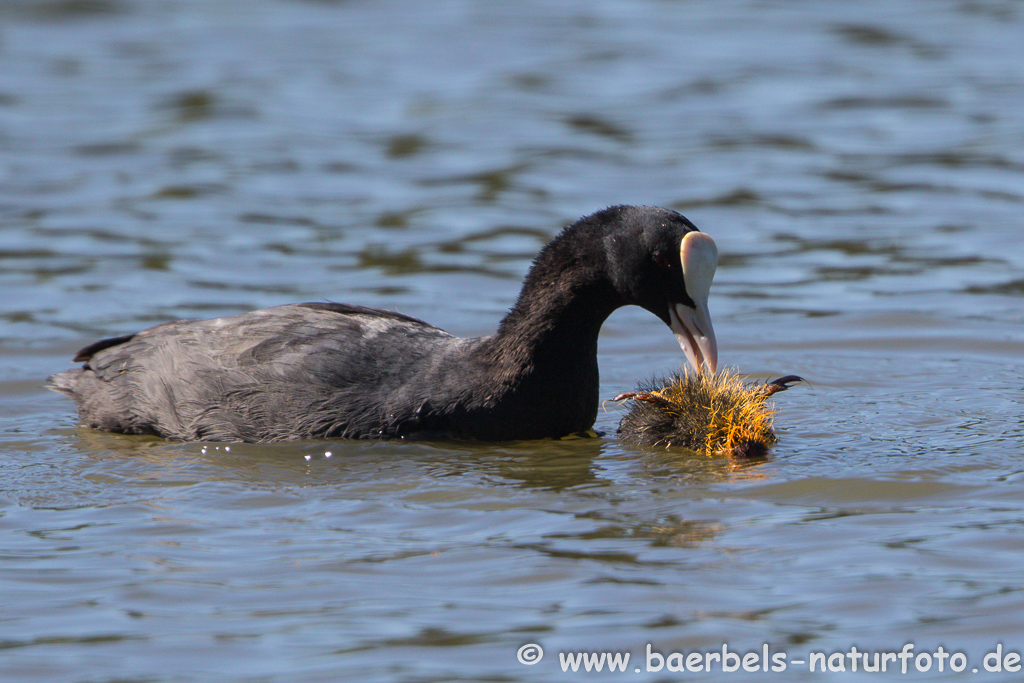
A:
(565, 299)
(551, 333)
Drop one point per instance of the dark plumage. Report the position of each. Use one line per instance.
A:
(335, 370)
(706, 413)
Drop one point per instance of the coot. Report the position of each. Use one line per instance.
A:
(312, 370)
(712, 414)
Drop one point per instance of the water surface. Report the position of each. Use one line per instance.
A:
(861, 166)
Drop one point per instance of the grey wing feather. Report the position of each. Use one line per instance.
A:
(288, 372)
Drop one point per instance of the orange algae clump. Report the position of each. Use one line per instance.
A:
(709, 414)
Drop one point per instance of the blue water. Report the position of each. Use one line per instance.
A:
(860, 165)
